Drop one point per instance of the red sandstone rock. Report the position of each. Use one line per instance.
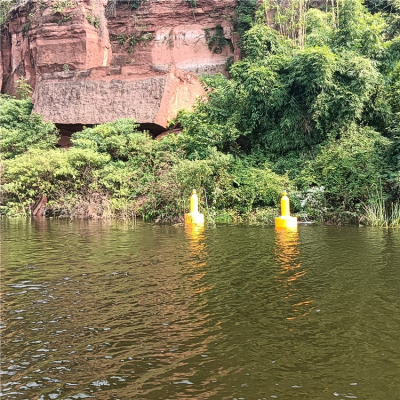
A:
(38, 40)
(134, 63)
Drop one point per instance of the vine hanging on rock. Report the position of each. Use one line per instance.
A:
(216, 42)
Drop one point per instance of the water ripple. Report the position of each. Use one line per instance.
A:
(107, 310)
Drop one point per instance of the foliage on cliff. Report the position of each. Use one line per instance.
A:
(22, 130)
(324, 109)
(5, 7)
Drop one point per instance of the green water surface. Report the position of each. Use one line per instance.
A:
(109, 310)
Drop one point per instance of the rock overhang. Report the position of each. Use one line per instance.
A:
(100, 95)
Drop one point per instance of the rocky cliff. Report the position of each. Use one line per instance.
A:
(92, 61)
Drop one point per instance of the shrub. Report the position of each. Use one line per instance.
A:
(114, 138)
(52, 172)
(21, 129)
(347, 167)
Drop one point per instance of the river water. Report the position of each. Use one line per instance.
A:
(109, 310)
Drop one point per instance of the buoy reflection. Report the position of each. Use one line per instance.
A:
(195, 234)
(198, 255)
(288, 258)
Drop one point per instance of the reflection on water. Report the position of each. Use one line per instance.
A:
(291, 271)
(198, 255)
(111, 310)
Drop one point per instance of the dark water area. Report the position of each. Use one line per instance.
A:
(109, 310)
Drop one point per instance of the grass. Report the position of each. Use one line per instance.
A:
(380, 213)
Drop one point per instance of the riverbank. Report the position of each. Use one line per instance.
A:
(115, 171)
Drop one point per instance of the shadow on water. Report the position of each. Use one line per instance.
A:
(106, 310)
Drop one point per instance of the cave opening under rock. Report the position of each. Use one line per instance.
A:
(67, 130)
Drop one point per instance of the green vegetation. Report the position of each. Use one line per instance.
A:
(133, 39)
(26, 27)
(93, 20)
(378, 213)
(60, 6)
(22, 130)
(317, 100)
(142, 37)
(135, 4)
(24, 89)
(193, 3)
(313, 107)
(216, 41)
(245, 16)
(5, 7)
(122, 172)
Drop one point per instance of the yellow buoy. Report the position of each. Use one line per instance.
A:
(194, 217)
(194, 202)
(285, 220)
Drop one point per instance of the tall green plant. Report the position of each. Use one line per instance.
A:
(359, 30)
(378, 211)
(245, 13)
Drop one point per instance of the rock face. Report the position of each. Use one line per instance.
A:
(50, 36)
(102, 94)
(92, 61)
